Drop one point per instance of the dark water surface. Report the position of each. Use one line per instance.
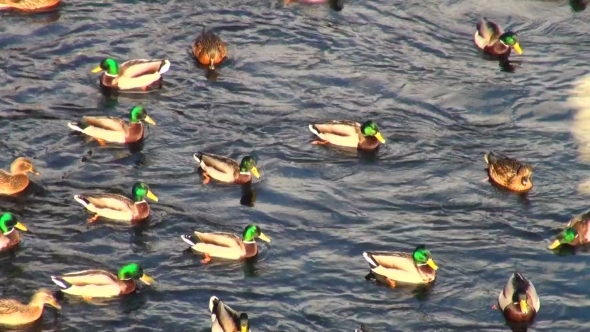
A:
(410, 65)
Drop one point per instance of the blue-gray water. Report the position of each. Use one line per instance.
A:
(409, 65)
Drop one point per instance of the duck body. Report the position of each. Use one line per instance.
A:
(16, 313)
(388, 267)
(29, 5)
(209, 49)
(509, 173)
(9, 241)
(226, 319)
(576, 232)
(109, 129)
(114, 206)
(225, 169)
(16, 181)
(518, 300)
(489, 37)
(94, 283)
(346, 133)
(133, 75)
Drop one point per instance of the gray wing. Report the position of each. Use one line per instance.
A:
(505, 296)
(488, 30)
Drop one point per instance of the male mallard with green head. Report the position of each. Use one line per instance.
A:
(491, 38)
(114, 130)
(392, 267)
(209, 49)
(9, 236)
(509, 172)
(226, 245)
(576, 232)
(100, 283)
(133, 74)
(17, 180)
(226, 319)
(16, 313)
(118, 207)
(518, 300)
(346, 133)
(226, 169)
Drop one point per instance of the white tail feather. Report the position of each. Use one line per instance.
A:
(165, 67)
(211, 300)
(75, 127)
(187, 239)
(370, 260)
(58, 282)
(315, 132)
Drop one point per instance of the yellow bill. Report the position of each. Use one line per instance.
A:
(150, 120)
(22, 227)
(523, 306)
(517, 48)
(243, 328)
(151, 196)
(96, 70)
(263, 237)
(146, 279)
(254, 171)
(380, 138)
(554, 245)
(431, 263)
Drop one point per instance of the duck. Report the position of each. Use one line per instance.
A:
(114, 130)
(9, 236)
(225, 169)
(226, 319)
(393, 267)
(16, 313)
(518, 300)
(226, 245)
(29, 5)
(347, 133)
(509, 173)
(118, 207)
(91, 284)
(16, 181)
(491, 39)
(209, 49)
(140, 74)
(576, 232)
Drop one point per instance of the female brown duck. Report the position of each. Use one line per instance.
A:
(509, 173)
(518, 300)
(114, 130)
(209, 50)
(348, 134)
(29, 5)
(17, 180)
(16, 313)
(9, 236)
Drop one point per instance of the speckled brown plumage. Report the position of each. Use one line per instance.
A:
(15, 313)
(209, 49)
(509, 172)
(29, 5)
(17, 180)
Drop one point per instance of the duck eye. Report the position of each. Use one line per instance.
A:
(525, 180)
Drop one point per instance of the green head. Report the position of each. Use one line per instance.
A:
(109, 65)
(567, 236)
(248, 165)
(134, 271)
(510, 39)
(369, 129)
(141, 190)
(8, 222)
(251, 232)
(244, 322)
(422, 256)
(138, 113)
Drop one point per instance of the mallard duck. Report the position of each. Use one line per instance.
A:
(519, 300)
(119, 207)
(133, 74)
(9, 236)
(491, 38)
(29, 5)
(576, 232)
(392, 267)
(348, 134)
(100, 283)
(17, 180)
(16, 313)
(226, 245)
(226, 319)
(115, 130)
(208, 49)
(509, 172)
(225, 169)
